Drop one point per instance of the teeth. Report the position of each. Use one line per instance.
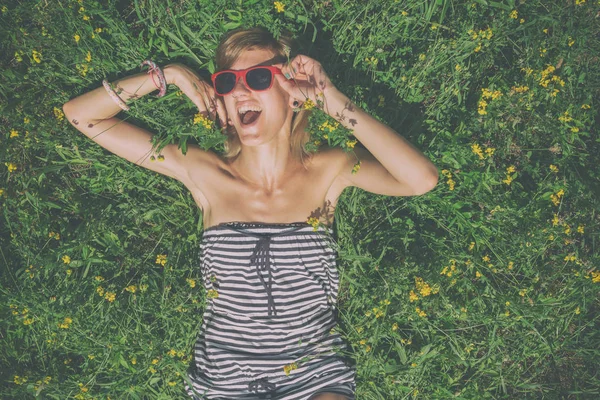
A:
(244, 109)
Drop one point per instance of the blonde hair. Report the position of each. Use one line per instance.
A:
(229, 49)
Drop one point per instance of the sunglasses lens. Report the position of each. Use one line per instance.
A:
(225, 82)
(259, 78)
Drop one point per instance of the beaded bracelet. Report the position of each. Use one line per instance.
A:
(115, 96)
(161, 76)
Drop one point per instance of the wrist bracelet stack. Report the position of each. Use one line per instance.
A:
(115, 96)
(161, 76)
(153, 68)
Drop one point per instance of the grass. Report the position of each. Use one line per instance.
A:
(485, 287)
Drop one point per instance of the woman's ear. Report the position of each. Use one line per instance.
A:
(294, 103)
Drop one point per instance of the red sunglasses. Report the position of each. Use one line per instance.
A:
(258, 79)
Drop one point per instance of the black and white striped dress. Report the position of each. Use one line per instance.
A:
(269, 332)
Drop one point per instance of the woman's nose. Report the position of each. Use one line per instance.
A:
(240, 87)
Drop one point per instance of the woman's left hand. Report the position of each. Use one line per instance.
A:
(308, 80)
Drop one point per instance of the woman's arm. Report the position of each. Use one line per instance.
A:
(93, 114)
(393, 167)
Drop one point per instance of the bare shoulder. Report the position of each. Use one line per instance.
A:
(198, 169)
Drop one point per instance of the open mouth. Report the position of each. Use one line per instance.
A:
(249, 117)
(249, 113)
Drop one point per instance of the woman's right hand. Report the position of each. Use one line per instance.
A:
(199, 92)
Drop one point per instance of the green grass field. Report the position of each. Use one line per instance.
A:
(486, 287)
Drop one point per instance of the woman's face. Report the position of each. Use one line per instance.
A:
(274, 103)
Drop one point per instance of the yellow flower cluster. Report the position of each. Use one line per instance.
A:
(519, 89)
(556, 197)
(477, 150)
(290, 367)
(351, 143)
(191, 282)
(66, 324)
(450, 271)
(553, 168)
(110, 296)
(546, 77)
(450, 181)
(54, 235)
(565, 117)
(19, 380)
(59, 114)
(420, 312)
(481, 35)
(199, 118)
(212, 294)
(131, 288)
(279, 6)
(66, 259)
(395, 326)
(579, 2)
(161, 259)
(30, 271)
(487, 94)
(24, 314)
(308, 104)
(11, 167)
(327, 125)
(596, 276)
(356, 168)
(372, 61)
(514, 14)
(36, 56)
(406, 341)
(314, 222)
(423, 288)
(509, 177)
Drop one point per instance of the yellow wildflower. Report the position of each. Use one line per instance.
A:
(76, 37)
(404, 13)
(395, 326)
(279, 6)
(199, 118)
(88, 58)
(110, 296)
(477, 150)
(308, 104)
(478, 274)
(161, 259)
(14, 133)
(131, 288)
(288, 368)
(172, 353)
(351, 143)
(514, 14)
(191, 282)
(511, 169)
(356, 168)
(577, 310)
(212, 294)
(420, 312)
(59, 114)
(36, 56)
(66, 259)
(412, 296)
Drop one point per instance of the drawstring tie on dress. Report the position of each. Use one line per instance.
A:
(261, 258)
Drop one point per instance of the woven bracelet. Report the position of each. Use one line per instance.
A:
(161, 76)
(115, 96)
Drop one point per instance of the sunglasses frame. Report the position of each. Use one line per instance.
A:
(241, 74)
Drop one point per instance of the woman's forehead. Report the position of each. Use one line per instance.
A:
(253, 57)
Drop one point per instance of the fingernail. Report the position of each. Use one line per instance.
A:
(287, 76)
